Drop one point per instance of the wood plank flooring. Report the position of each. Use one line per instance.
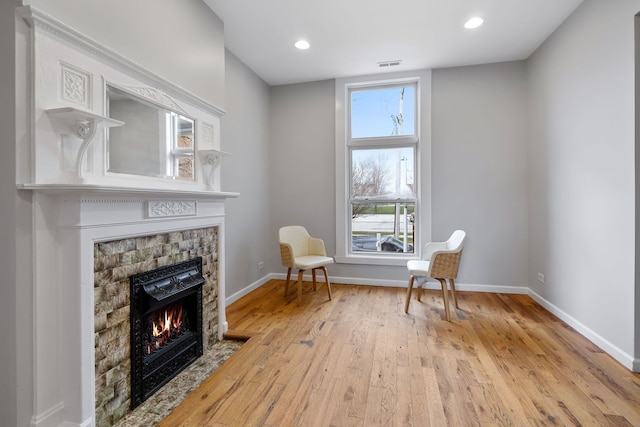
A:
(359, 360)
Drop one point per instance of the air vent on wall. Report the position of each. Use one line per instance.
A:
(389, 63)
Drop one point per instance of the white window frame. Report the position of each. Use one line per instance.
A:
(422, 180)
(174, 152)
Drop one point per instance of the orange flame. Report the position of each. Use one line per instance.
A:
(166, 326)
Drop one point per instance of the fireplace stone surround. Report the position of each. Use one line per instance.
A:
(114, 263)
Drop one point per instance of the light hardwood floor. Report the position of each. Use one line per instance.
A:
(361, 361)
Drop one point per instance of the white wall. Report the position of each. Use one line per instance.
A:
(245, 134)
(581, 172)
(11, 389)
(479, 170)
(182, 41)
(302, 161)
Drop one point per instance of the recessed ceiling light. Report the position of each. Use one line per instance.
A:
(474, 22)
(302, 44)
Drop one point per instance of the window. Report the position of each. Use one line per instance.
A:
(383, 111)
(382, 199)
(378, 149)
(179, 146)
(381, 146)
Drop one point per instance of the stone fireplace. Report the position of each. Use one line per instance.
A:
(88, 245)
(152, 259)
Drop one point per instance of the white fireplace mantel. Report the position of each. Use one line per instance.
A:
(102, 190)
(67, 221)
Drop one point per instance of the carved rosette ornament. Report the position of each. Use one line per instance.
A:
(85, 130)
(76, 85)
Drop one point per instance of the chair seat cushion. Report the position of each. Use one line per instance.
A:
(418, 267)
(309, 262)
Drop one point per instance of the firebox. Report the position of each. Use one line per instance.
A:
(166, 325)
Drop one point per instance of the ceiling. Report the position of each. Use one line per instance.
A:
(350, 37)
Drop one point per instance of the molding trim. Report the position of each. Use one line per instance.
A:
(85, 423)
(373, 282)
(612, 350)
(109, 192)
(51, 416)
(249, 288)
(471, 287)
(159, 97)
(44, 22)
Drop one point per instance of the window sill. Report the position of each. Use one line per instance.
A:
(375, 260)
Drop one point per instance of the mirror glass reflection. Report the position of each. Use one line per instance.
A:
(154, 140)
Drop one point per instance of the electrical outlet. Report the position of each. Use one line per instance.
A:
(260, 265)
(540, 277)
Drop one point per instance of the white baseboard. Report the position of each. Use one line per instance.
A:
(85, 423)
(622, 357)
(346, 280)
(523, 290)
(54, 418)
(251, 287)
(403, 284)
(612, 350)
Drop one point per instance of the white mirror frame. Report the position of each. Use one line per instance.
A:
(67, 148)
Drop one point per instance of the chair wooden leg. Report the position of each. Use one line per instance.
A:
(444, 298)
(286, 285)
(326, 279)
(313, 276)
(406, 304)
(419, 290)
(300, 272)
(453, 291)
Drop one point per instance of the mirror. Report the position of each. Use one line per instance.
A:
(154, 141)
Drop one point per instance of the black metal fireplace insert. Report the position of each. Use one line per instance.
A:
(166, 325)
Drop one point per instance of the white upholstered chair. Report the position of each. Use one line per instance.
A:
(301, 251)
(440, 261)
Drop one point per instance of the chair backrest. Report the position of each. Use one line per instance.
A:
(456, 241)
(446, 261)
(297, 237)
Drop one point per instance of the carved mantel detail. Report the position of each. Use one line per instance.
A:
(170, 208)
(158, 96)
(210, 160)
(82, 124)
